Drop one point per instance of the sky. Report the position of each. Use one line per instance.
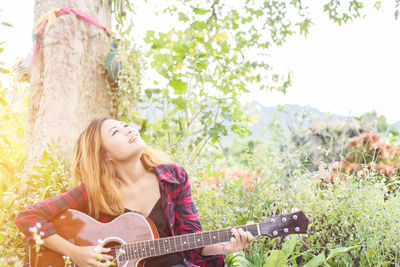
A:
(347, 70)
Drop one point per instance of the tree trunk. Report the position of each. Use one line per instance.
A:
(69, 84)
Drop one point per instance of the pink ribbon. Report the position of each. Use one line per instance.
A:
(63, 11)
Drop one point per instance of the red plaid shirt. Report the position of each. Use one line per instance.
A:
(177, 204)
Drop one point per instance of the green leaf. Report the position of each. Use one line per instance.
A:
(240, 130)
(237, 259)
(276, 259)
(178, 85)
(316, 261)
(216, 131)
(337, 251)
(180, 48)
(199, 11)
(150, 91)
(183, 17)
(180, 102)
(149, 36)
(199, 25)
(289, 245)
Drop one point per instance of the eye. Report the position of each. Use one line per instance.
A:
(126, 125)
(114, 132)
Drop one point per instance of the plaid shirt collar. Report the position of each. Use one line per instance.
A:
(165, 175)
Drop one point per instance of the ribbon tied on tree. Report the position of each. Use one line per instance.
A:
(112, 61)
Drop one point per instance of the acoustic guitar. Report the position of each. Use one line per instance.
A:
(133, 238)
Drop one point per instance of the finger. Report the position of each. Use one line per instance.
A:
(104, 254)
(238, 238)
(243, 237)
(105, 250)
(104, 264)
(250, 237)
(106, 257)
(233, 244)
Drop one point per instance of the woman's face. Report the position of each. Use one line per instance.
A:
(120, 141)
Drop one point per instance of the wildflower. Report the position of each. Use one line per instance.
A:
(121, 251)
(354, 141)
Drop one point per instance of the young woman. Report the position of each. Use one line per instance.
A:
(114, 172)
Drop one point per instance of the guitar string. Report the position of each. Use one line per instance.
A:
(177, 242)
(180, 243)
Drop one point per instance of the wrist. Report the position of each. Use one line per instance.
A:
(223, 251)
(70, 250)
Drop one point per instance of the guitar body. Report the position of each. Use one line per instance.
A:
(82, 230)
(133, 238)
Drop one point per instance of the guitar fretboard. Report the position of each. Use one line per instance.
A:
(156, 247)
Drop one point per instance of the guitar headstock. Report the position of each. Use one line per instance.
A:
(295, 223)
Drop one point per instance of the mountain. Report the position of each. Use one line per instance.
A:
(288, 116)
(397, 125)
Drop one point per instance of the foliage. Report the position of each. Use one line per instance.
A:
(280, 258)
(354, 221)
(50, 179)
(327, 141)
(201, 71)
(372, 122)
(366, 156)
(351, 223)
(16, 193)
(12, 132)
(201, 67)
(126, 90)
(229, 203)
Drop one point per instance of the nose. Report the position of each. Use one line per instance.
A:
(130, 130)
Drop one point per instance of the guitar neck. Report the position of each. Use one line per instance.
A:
(161, 246)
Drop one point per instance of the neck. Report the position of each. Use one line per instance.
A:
(131, 171)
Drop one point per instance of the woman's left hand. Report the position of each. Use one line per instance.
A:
(240, 241)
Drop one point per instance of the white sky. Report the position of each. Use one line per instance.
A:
(348, 70)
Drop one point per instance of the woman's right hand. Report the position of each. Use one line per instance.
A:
(88, 256)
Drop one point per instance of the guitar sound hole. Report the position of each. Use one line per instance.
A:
(112, 245)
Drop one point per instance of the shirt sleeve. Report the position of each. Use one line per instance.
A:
(45, 211)
(187, 221)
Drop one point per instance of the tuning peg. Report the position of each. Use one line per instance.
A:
(284, 212)
(294, 209)
(298, 237)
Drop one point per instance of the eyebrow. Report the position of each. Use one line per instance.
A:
(114, 127)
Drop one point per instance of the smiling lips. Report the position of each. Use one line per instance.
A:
(133, 138)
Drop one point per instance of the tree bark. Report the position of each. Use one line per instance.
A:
(69, 84)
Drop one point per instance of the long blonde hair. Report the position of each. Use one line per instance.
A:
(98, 174)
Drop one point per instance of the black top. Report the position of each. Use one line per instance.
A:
(157, 216)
